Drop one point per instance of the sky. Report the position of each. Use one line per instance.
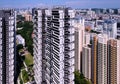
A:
(68, 3)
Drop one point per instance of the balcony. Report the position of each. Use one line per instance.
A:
(39, 19)
(11, 22)
(72, 38)
(0, 22)
(39, 12)
(0, 42)
(71, 54)
(11, 68)
(67, 64)
(39, 35)
(12, 56)
(66, 71)
(11, 45)
(11, 79)
(39, 24)
(0, 29)
(67, 56)
(11, 62)
(55, 13)
(67, 26)
(61, 15)
(11, 18)
(0, 35)
(48, 77)
(11, 28)
(10, 34)
(71, 77)
(48, 71)
(71, 61)
(0, 48)
(67, 40)
(0, 68)
(67, 80)
(11, 39)
(67, 48)
(11, 51)
(48, 64)
(71, 46)
(72, 30)
(40, 30)
(11, 73)
(67, 32)
(67, 16)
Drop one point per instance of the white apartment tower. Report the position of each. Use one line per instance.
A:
(110, 28)
(86, 62)
(87, 38)
(7, 46)
(54, 45)
(79, 41)
(102, 59)
(39, 44)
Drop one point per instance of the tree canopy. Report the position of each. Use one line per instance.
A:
(26, 33)
(80, 79)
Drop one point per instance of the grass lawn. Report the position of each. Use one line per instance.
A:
(21, 82)
(25, 76)
(28, 59)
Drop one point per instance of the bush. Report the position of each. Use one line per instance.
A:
(25, 76)
(80, 79)
(19, 47)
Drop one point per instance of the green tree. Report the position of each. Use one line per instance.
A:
(20, 46)
(26, 33)
(80, 79)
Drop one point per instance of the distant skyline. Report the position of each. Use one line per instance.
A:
(70, 3)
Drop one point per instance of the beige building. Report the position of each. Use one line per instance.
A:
(87, 38)
(28, 16)
(102, 59)
(86, 62)
(94, 59)
(114, 61)
(79, 41)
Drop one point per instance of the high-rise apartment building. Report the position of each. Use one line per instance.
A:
(94, 59)
(48, 46)
(39, 44)
(86, 62)
(79, 41)
(54, 45)
(118, 30)
(105, 65)
(102, 59)
(7, 46)
(86, 56)
(114, 61)
(87, 38)
(110, 28)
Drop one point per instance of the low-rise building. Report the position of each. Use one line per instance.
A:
(20, 40)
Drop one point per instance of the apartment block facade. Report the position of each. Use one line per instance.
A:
(7, 46)
(113, 61)
(94, 59)
(54, 52)
(39, 44)
(105, 60)
(102, 59)
(79, 42)
(86, 62)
